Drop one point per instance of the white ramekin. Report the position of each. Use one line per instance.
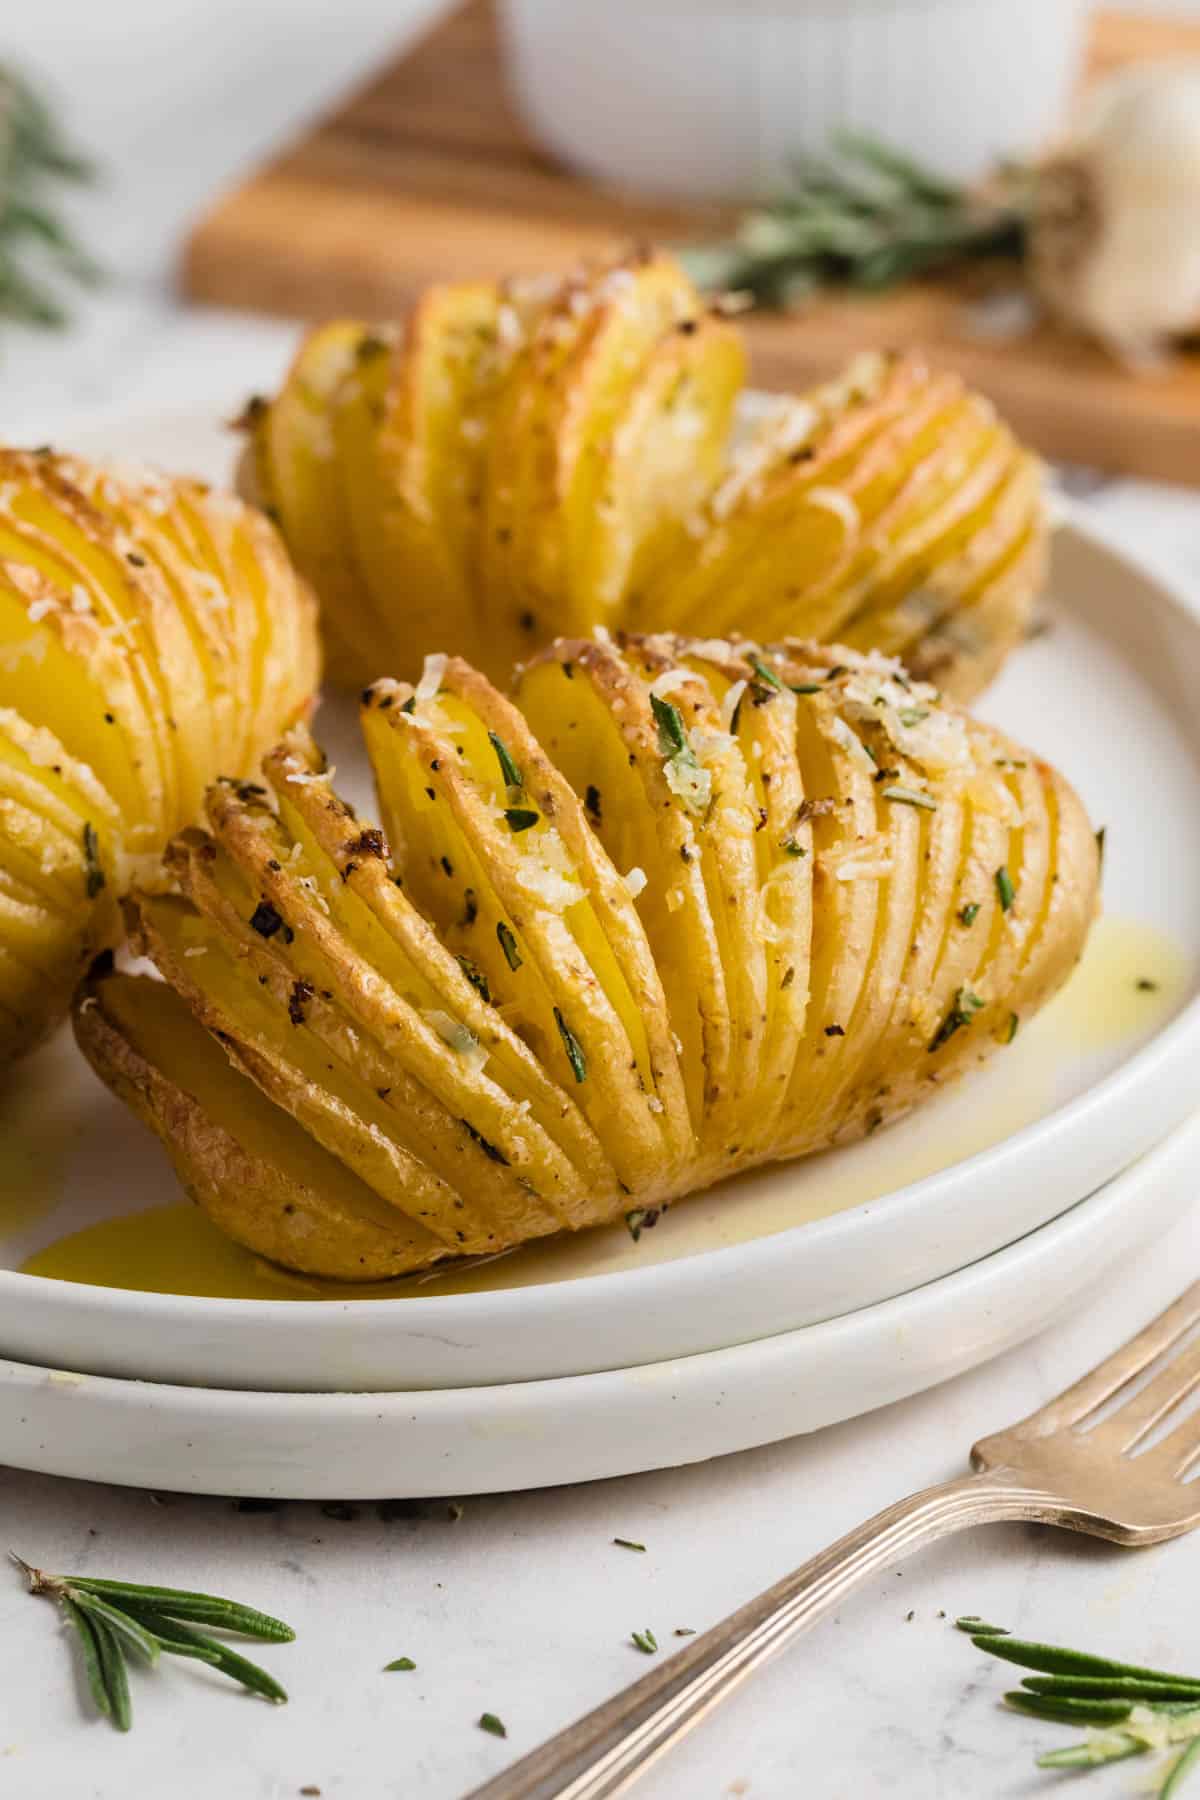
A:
(705, 99)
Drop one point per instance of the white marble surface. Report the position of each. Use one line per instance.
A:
(523, 1606)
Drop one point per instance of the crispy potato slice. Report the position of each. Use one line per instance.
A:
(246, 1163)
(552, 936)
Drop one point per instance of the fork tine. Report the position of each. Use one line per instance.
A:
(1069, 1407)
(1138, 1416)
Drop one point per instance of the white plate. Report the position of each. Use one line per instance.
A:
(1108, 694)
(581, 1428)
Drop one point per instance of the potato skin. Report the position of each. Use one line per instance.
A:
(152, 635)
(518, 461)
(686, 906)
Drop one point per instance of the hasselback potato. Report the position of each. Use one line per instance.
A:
(519, 461)
(683, 907)
(152, 635)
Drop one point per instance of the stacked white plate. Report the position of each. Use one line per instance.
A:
(781, 1302)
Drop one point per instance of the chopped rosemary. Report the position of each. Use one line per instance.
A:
(966, 1004)
(94, 877)
(475, 976)
(1144, 985)
(646, 1641)
(765, 674)
(508, 768)
(969, 913)
(508, 944)
(1013, 1026)
(112, 1618)
(520, 818)
(793, 848)
(401, 1662)
(672, 733)
(591, 801)
(489, 1722)
(642, 1218)
(907, 796)
(1006, 893)
(912, 715)
(572, 1047)
(805, 687)
(629, 1544)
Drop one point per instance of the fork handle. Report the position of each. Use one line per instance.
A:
(605, 1752)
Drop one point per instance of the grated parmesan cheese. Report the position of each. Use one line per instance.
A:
(635, 881)
(433, 670)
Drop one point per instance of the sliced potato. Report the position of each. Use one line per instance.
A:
(247, 1164)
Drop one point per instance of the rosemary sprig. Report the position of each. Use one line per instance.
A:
(1126, 1706)
(864, 217)
(112, 1618)
(36, 249)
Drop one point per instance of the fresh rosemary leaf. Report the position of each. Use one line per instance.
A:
(37, 250)
(92, 1666)
(1119, 1687)
(766, 675)
(181, 1603)
(979, 1627)
(629, 1544)
(646, 1641)
(1069, 1712)
(401, 1662)
(508, 944)
(489, 1722)
(1050, 1659)
(121, 1624)
(1005, 891)
(180, 1640)
(114, 1672)
(862, 216)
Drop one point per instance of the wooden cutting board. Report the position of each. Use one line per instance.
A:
(427, 174)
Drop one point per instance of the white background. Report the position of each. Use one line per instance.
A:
(523, 1606)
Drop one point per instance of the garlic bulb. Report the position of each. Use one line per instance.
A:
(1114, 245)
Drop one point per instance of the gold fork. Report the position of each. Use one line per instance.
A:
(1079, 1463)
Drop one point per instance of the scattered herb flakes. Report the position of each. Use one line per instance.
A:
(966, 1005)
(265, 920)
(1101, 836)
(94, 876)
(489, 1722)
(642, 1218)
(969, 913)
(1006, 893)
(508, 944)
(454, 1511)
(591, 801)
(792, 848)
(508, 768)
(1144, 985)
(672, 733)
(805, 687)
(409, 705)
(520, 818)
(401, 1662)
(470, 905)
(572, 1046)
(645, 1641)
(835, 1031)
(913, 715)
(765, 674)
(907, 796)
(476, 977)
(629, 1544)
(1013, 1026)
